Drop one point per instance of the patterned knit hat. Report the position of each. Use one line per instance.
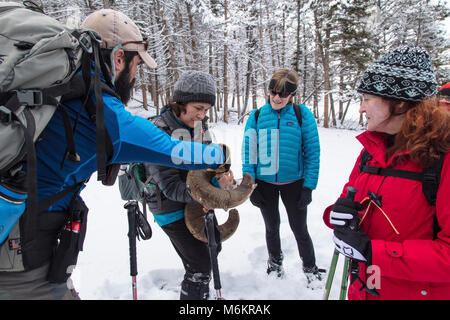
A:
(195, 86)
(404, 73)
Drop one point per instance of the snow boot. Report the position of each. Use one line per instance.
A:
(275, 265)
(314, 277)
(195, 286)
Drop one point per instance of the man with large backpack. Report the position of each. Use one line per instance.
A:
(88, 132)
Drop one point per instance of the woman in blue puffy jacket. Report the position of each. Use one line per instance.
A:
(281, 151)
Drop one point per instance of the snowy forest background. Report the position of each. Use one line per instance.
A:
(242, 42)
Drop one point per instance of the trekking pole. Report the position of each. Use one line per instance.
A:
(137, 227)
(131, 212)
(344, 279)
(212, 245)
(351, 191)
(330, 277)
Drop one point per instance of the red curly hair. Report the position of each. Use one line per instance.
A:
(425, 133)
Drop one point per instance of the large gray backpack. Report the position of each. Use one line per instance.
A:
(43, 62)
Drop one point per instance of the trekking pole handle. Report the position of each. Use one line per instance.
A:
(131, 212)
(351, 192)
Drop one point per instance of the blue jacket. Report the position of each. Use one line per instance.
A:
(134, 139)
(276, 149)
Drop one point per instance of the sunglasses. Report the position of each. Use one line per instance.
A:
(283, 94)
(289, 89)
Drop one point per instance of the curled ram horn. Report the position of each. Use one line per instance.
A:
(209, 196)
(195, 222)
(201, 189)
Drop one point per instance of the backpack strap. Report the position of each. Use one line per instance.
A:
(430, 177)
(257, 115)
(298, 114)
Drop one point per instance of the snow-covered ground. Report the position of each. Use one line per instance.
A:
(103, 270)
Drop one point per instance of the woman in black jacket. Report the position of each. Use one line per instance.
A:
(184, 118)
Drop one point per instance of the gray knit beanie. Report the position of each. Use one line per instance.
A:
(195, 86)
(404, 73)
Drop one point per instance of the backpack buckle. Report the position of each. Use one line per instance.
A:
(430, 178)
(29, 97)
(5, 115)
(85, 42)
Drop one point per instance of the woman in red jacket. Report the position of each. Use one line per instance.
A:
(407, 249)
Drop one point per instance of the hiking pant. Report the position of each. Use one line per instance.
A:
(33, 285)
(195, 257)
(266, 197)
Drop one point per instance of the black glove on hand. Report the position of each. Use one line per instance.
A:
(354, 244)
(345, 213)
(305, 198)
(348, 239)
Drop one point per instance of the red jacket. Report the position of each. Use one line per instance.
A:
(411, 264)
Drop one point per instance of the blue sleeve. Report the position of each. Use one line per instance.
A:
(249, 151)
(136, 139)
(311, 148)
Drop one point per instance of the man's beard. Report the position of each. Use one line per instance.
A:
(123, 85)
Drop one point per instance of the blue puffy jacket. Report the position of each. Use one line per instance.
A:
(134, 139)
(276, 149)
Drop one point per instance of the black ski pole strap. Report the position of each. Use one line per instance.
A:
(354, 275)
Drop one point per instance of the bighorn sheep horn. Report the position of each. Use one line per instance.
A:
(201, 189)
(195, 222)
(207, 195)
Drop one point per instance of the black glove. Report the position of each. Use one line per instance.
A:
(305, 198)
(348, 239)
(345, 213)
(354, 244)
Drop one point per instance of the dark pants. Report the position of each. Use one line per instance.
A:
(266, 197)
(196, 260)
(193, 252)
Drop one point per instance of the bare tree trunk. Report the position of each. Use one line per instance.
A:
(193, 38)
(315, 85)
(341, 88)
(283, 43)
(154, 85)
(305, 63)
(238, 90)
(179, 17)
(270, 31)
(254, 95)
(210, 67)
(324, 54)
(333, 113)
(225, 66)
(106, 4)
(261, 45)
(171, 60)
(143, 89)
